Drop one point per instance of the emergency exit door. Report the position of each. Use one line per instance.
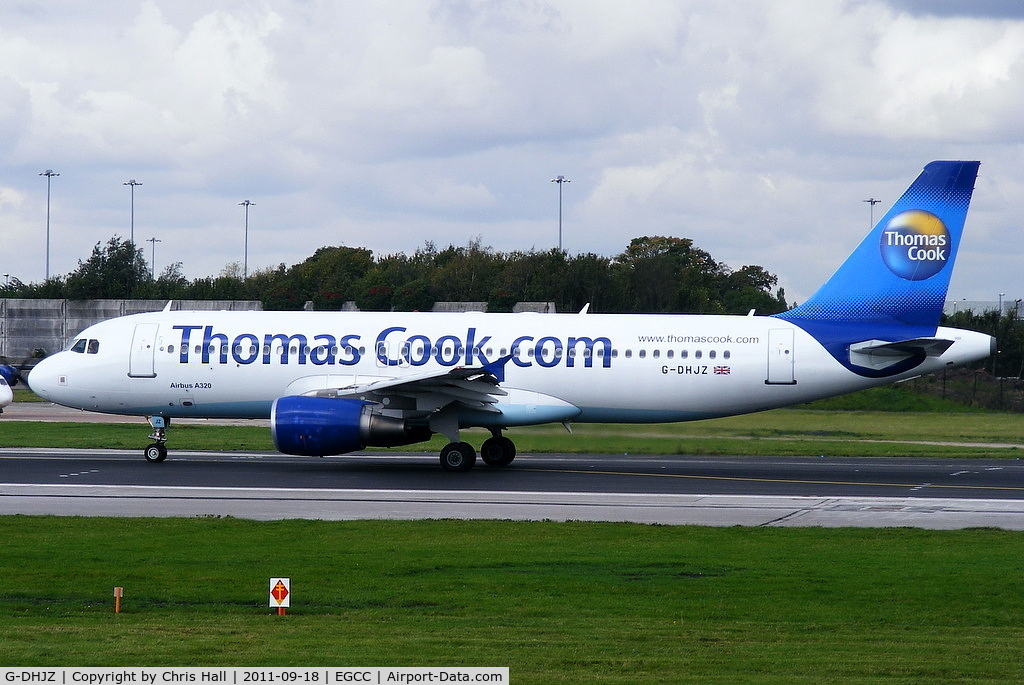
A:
(142, 362)
(780, 357)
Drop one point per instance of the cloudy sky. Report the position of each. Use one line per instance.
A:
(755, 128)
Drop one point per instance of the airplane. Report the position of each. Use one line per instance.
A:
(339, 382)
(6, 394)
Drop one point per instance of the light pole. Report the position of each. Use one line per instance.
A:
(152, 265)
(245, 264)
(132, 183)
(1001, 295)
(49, 174)
(560, 180)
(872, 201)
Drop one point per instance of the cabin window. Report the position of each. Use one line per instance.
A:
(697, 354)
(711, 354)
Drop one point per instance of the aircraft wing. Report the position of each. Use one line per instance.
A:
(470, 387)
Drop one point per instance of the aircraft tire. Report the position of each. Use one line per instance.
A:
(155, 453)
(498, 451)
(458, 456)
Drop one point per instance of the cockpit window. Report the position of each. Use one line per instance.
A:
(83, 346)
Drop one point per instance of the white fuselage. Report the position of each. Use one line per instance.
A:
(606, 368)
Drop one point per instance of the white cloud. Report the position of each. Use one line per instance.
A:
(751, 127)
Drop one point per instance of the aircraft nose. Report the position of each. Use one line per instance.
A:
(43, 378)
(6, 394)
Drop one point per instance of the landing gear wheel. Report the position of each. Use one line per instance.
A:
(458, 456)
(498, 451)
(156, 452)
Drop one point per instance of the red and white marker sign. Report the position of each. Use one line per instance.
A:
(280, 593)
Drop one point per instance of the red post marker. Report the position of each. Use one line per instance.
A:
(280, 594)
(118, 594)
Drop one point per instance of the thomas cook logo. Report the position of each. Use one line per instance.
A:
(915, 245)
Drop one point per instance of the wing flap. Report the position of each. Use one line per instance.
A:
(469, 387)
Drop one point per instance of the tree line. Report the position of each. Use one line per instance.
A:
(654, 274)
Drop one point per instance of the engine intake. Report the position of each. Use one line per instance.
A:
(318, 426)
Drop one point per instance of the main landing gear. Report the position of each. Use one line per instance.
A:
(157, 451)
(497, 450)
(460, 456)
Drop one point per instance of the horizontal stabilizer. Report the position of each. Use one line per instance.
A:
(880, 354)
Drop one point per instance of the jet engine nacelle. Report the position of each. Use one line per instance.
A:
(318, 426)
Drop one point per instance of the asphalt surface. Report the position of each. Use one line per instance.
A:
(790, 476)
(933, 493)
(671, 490)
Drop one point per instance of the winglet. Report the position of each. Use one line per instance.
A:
(497, 367)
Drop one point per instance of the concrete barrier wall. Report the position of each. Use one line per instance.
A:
(41, 327)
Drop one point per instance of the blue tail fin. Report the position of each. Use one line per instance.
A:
(899, 274)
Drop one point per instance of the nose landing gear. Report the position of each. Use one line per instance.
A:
(157, 451)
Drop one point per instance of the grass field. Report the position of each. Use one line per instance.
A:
(556, 602)
(887, 421)
(787, 432)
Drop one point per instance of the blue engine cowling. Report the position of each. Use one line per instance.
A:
(318, 426)
(9, 374)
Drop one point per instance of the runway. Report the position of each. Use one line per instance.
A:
(670, 490)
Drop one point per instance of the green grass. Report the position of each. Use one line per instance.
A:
(892, 421)
(556, 602)
(787, 432)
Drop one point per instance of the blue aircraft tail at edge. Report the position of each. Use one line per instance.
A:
(893, 286)
(900, 272)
